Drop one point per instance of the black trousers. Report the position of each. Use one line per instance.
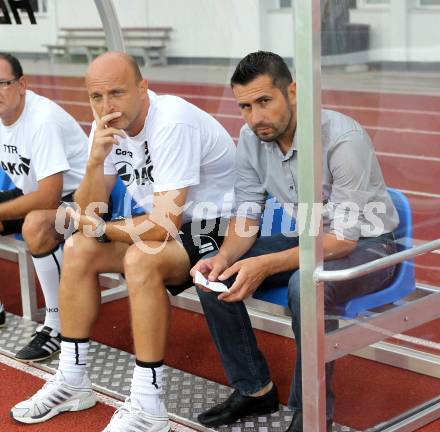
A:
(14, 226)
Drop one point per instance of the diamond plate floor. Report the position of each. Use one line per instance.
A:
(186, 395)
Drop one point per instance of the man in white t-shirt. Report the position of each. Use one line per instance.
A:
(44, 152)
(177, 162)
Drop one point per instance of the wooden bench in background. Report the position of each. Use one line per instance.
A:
(73, 41)
(148, 42)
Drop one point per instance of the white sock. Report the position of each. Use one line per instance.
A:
(2, 308)
(48, 268)
(73, 360)
(146, 387)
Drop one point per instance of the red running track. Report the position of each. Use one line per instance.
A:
(18, 386)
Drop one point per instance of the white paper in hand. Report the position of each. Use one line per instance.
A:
(214, 286)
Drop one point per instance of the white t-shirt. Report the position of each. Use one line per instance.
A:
(179, 146)
(45, 140)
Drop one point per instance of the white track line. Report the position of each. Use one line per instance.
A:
(104, 399)
(391, 110)
(58, 87)
(408, 156)
(231, 116)
(204, 97)
(414, 131)
(68, 102)
(417, 193)
(431, 268)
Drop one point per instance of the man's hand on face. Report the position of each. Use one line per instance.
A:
(251, 272)
(104, 137)
(210, 268)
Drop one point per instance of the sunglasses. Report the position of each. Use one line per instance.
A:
(4, 84)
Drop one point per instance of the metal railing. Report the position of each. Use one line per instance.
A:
(378, 264)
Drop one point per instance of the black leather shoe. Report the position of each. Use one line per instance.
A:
(296, 425)
(237, 406)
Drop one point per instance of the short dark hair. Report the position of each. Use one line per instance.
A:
(262, 63)
(17, 70)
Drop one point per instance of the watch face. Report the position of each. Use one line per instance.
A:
(103, 239)
(100, 229)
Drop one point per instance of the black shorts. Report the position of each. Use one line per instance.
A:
(14, 226)
(199, 239)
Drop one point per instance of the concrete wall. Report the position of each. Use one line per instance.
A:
(208, 28)
(281, 38)
(380, 23)
(424, 35)
(27, 37)
(402, 32)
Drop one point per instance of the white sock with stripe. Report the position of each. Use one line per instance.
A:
(48, 268)
(73, 360)
(146, 387)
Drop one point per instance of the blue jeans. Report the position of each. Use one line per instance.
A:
(231, 329)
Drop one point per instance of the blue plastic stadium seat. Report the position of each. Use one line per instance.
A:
(5, 181)
(122, 204)
(6, 184)
(404, 279)
(274, 221)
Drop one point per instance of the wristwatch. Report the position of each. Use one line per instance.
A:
(100, 232)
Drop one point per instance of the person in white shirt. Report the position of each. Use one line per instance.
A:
(177, 162)
(44, 152)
